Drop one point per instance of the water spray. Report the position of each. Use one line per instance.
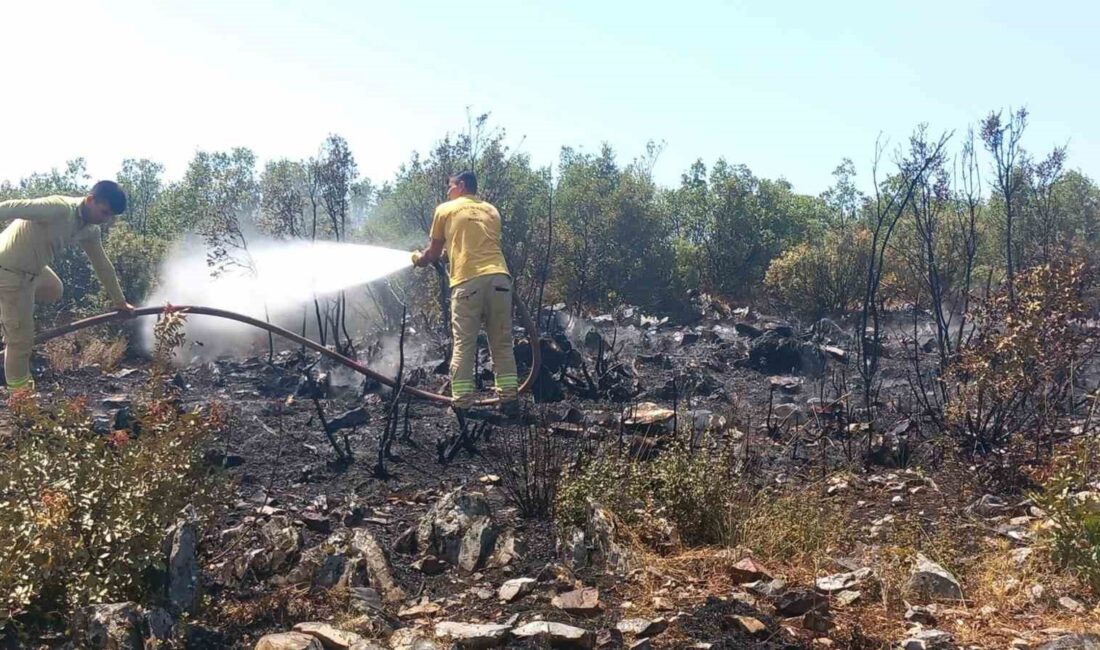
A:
(273, 279)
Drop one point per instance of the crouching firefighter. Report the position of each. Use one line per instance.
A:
(39, 230)
(481, 289)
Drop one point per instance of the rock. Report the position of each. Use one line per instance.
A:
(505, 551)
(930, 580)
(593, 340)
(835, 353)
(783, 329)
(817, 622)
(843, 581)
(183, 564)
(557, 576)
(847, 598)
(1073, 642)
(776, 354)
(405, 544)
(326, 566)
(459, 529)
(641, 627)
(367, 645)
(611, 639)
(418, 611)
(365, 599)
(317, 522)
(573, 549)
(641, 644)
(748, 331)
(115, 626)
(468, 635)
(283, 543)
(928, 640)
(1016, 533)
(516, 589)
(767, 588)
(557, 634)
(409, 639)
(601, 533)
(201, 637)
(579, 601)
(160, 626)
(330, 637)
(1071, 605)
(924, 615)
(430, 565)
(378, 566)
(748, 570)
(1036, 592)
(289, 641)
(102, 424)
(749, 625)
(648, 415)
(1020, 556)
(215, 457)
(791, 385)
(124, 419)
(117, 402)
(349, 419)
(799, 601)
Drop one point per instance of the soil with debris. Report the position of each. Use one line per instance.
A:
(295, 547)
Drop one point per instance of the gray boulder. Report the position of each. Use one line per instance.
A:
(931, 581)
(460, 530)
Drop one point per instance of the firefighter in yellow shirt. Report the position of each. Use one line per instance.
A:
(39, 230)
(481, 289)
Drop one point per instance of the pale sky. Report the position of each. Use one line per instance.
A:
(787, 88)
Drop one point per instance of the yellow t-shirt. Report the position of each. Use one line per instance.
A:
(470, 229)
(41, 228)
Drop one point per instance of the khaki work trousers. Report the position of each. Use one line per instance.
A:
(18, 294)
(484, 300)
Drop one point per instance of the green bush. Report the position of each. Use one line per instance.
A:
(83, 515)
(136, 259)
(691, 489)
(825, 276)
(1074, 539)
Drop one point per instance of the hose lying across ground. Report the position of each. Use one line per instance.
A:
(109, 317)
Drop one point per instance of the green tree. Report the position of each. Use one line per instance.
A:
(142, 181)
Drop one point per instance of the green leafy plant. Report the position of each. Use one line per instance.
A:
(83, 515)
(688, 488)
(1074, 510)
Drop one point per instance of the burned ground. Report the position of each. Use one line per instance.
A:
(773, 400)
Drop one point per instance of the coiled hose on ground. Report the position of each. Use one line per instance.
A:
(113, 316)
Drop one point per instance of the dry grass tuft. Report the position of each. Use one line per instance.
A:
(85, 349)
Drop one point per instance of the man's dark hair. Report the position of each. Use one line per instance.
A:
(111, 193)
(468, 180)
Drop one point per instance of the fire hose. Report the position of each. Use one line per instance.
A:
(113, 316)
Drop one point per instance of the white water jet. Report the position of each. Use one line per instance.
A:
(276, 281)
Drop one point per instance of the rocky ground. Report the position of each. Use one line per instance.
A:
(316, 553)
